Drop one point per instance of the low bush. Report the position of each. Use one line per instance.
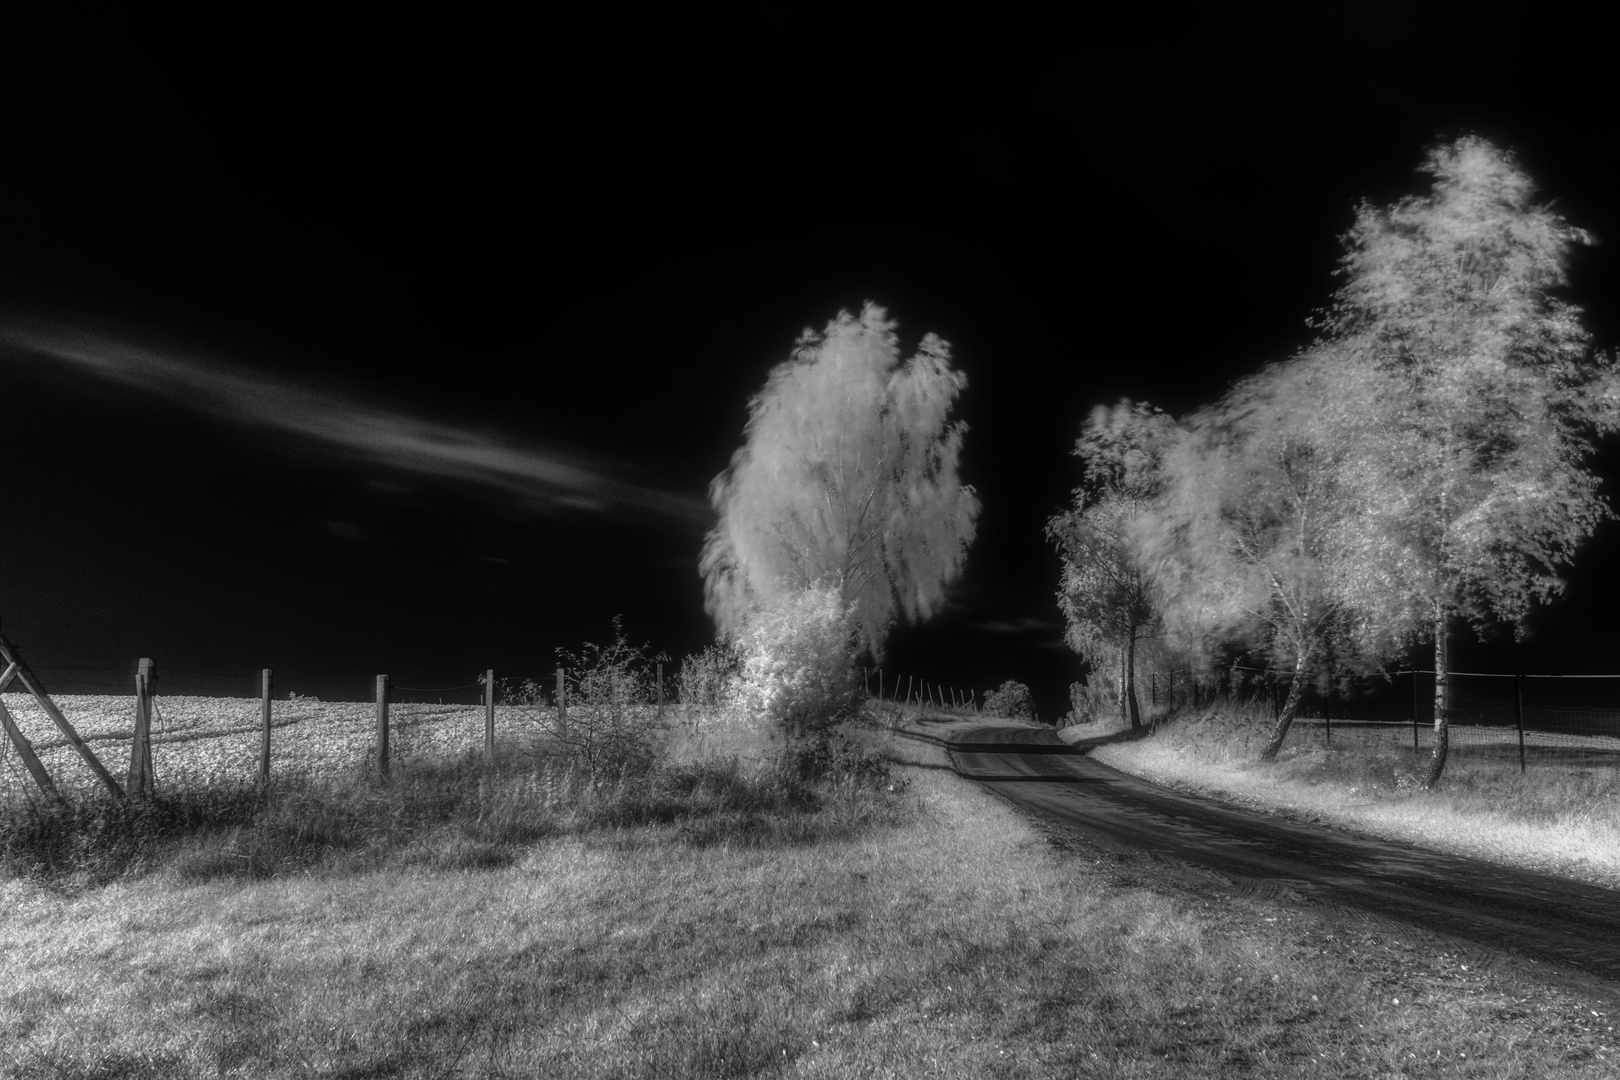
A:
(1011, 700)
(797, 673)
(706, 677)
(606, 721)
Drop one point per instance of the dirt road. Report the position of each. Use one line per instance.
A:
(1562, 922)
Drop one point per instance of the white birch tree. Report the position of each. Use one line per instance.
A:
(1476, 398)
(847, 477)
(1238, 544)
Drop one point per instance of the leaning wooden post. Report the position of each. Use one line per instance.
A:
(264, 727)
(1518, 715)
(489, 716)
(25, 749)
(18, 669)
(140, 751)
(382, 725)
(908, 689)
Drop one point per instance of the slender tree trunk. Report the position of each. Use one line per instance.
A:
(1285, 718)
(1442, 701)
(1124, 710)
(1130, 680)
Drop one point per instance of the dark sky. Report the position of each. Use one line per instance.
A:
(413, 348)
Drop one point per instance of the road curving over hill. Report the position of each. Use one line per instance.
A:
(1551, 919)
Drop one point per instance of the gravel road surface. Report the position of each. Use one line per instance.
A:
(1552, 919)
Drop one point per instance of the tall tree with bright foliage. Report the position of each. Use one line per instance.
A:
(1239, 541)
(1105, 593)
(1476, 398)
(847, 478)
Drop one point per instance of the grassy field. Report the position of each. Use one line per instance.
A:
(840, 918)
(1562, 815)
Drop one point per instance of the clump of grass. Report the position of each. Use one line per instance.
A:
(1557, 815)
(457, 814)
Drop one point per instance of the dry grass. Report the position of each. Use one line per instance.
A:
(1558, 817)
(924, 932)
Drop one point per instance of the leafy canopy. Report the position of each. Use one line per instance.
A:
(1476, 397)
(848, 478)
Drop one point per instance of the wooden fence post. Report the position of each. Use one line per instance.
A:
(264, 729)
(489, 716)
(562, 704)
(1518, 714)
(908, 689)
(382, 725)
(140, 751)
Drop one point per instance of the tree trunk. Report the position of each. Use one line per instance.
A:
(1124, 710)
(1130, 680)
(1285, 718)
(1442, 703)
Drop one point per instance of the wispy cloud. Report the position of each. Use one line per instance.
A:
(551, 479)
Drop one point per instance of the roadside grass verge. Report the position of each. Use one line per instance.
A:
(1557, 817)
(943, 936)
(440, 814)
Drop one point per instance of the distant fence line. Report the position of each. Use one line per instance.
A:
(1552, 715)
(919, 693)
(1493, 713)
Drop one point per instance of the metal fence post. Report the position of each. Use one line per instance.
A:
(1518, 715)
(1414, 710)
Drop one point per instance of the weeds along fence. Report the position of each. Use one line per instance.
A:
(186, 725)
(1515, 719)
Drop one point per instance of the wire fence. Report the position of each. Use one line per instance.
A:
(214, 724)
(206, 723)
(1541, 718)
